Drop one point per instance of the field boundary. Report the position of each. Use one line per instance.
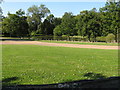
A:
(59, 44)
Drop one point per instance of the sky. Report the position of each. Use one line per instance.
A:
(57, 8)
(55, 0)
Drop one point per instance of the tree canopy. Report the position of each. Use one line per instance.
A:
(91, 24)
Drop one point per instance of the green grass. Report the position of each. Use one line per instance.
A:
(85, 43)
(33, 64)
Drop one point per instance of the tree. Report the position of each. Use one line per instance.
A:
(57, 21)
(20, 12)
(46, 28)
(48, 25)
(1, 9)
(23, 25)
(1, 17)
(89, 24)
(110, 38)
(111, 20)
(58, 30)
(35, 15)
(68, 25)
(15, 24)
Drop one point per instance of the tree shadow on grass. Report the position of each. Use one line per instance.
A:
(90, 76)
(96, 80)
(10, 81)
(94, 76)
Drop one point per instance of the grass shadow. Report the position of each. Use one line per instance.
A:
(96, 80)
(94, 76)
(10, 81)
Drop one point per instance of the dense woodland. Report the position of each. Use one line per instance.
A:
(93, 25)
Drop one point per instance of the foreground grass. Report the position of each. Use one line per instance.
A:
(85, 43)
(32, 64)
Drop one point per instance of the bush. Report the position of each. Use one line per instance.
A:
(110, 37)
(64, 36)
(101, 39)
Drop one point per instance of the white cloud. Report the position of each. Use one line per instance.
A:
(55, 0)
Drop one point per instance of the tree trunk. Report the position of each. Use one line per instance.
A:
(116, 38)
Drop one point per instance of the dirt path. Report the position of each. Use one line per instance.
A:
(58, 44)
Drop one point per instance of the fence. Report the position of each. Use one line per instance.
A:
(67, 38)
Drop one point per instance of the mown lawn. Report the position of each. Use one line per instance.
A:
(85, 43)
(33, 64)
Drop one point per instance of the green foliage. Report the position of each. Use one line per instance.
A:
(91, 24)
(58, 30)
(101, 39)
(110, 38)
(110, 18)
(33, 33)
(64, 36)
(35, 15)
(1, 10)
(47, 26)
(20, 12)
(67, 26)
(57, 21)
(15, 24)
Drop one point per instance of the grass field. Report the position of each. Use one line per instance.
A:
(85, 43)
(32, 64)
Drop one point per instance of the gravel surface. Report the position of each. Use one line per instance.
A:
(58, 44)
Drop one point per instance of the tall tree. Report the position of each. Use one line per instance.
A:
(111, 20)
(57, 21)
(89, 24)
(35, 15)
(1, 8)
(23, 25)
(46, 28)
(68, 25)
(1, 17)
(15, 24)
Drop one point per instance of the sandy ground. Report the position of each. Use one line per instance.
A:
(58, 44)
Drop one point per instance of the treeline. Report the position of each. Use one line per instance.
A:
(90, 24)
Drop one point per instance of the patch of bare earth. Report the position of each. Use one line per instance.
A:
(58, 44)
